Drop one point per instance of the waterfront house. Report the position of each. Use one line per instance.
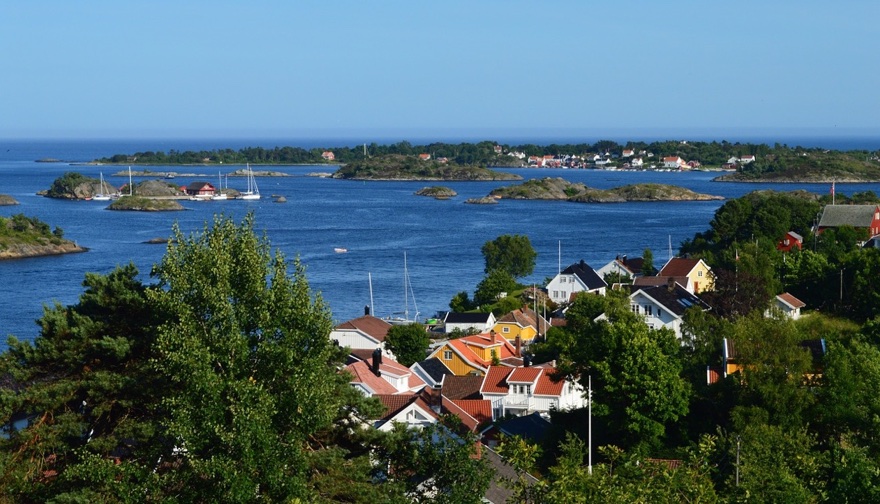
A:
(424, 157)
(524, 390)
(697, 270)
(328, 156)
(363, 333)
(865, 217)
(747, 159)
(673, 162)
(636, 162)
(579, 277)
(790, 241)
(468, 322)
(200, 190)
(628, 153)
(664, 305)
(474, 354)
(521, 323)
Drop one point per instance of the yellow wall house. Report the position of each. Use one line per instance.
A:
(520, 322)
(699, 273)
(472, 355)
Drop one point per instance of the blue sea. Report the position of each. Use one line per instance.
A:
(376, 221)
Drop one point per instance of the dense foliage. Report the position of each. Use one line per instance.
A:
(217, 384)
(782, 160)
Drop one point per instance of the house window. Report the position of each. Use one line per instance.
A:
(562, 280)
(447, 355)
(635, 308)
(648, 310)
(699, 273)
(505, 329)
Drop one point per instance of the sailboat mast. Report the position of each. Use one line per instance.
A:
(370, 278)
(405, 293)
(129, 181)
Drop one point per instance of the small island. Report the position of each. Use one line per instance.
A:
(400, 167)
(437, 192)
(142, 204)
(22, 236)
(562, 190)
(6, 200)
(807, 165)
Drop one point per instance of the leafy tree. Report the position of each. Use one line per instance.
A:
(461, 302)
(495, 282)
(648, 268)
(437, 463)
(252, 370)
(510, 253)
(409, 343)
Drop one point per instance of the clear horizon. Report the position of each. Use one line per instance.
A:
(199, 69)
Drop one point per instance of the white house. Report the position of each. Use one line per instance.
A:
(579, 277)
(787, 305)
(363, 333)
(636, 162)
(623, 266)
(523, 390)
(673, 162)
(383, 375)
(747, 159)
(468, 322)
(664, 305)
(411, 410)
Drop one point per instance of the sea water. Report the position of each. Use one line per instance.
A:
(376, 221)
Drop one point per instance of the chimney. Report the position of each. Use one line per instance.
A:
(670, 284)
(377, 362)
(366, 309)
(583, 264)
(624, 259)
(492, 335)
(518, 341)
(527, 360)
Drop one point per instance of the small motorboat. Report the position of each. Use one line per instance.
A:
(340, 250)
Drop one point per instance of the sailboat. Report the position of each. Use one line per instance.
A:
(402, 318)
(252, 193)
(103, 195)
(220, 195)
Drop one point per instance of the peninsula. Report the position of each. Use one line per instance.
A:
(559, 189)
(22, 236)
(401, 167)
(804, 165)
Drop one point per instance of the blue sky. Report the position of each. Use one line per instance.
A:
(164, 69)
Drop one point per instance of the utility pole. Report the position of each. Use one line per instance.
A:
(590, 425)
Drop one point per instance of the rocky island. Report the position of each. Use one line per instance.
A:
(142, 204)
(563, 190)
(6, 200)
(22, 236)
(808, 165)
(437, 192)
(400, 167)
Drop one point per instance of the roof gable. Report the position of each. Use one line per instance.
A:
(680, 266)
(369, 325)
(675, 300)
(586, 275)
(848, 215)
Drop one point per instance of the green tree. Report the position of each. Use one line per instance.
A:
(461, 302)
(648, 268)
(252, 369)
(510, 253)
(86, 382)
(409, 343)
(495, 282)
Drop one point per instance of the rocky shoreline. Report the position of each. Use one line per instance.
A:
(22, 250)
(561, 190)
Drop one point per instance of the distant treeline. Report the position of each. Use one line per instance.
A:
(482, 153)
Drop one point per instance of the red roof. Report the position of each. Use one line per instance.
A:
(678, 266)
(498, 377)
(472, 412)
(368, 324)
(524, 375)
(364, 375)
(791, 300)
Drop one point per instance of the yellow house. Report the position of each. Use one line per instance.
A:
(698, 272)
(473, 354)
(522, 322)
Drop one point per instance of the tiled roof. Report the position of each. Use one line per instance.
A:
(677, 300)
(586, 274)
(678, 266)
(525, 317)
(461, 387)
(713, 374)
(791, 300)
(650, 281)
(847, 215)
(524, 375)
(435, 368)
(547, 385)
(375, 327)
(361, 373)
(473, 412)
(495, 381)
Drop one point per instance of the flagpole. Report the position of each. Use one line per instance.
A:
(590, 424)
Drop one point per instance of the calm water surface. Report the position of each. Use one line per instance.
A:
(376, 221)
